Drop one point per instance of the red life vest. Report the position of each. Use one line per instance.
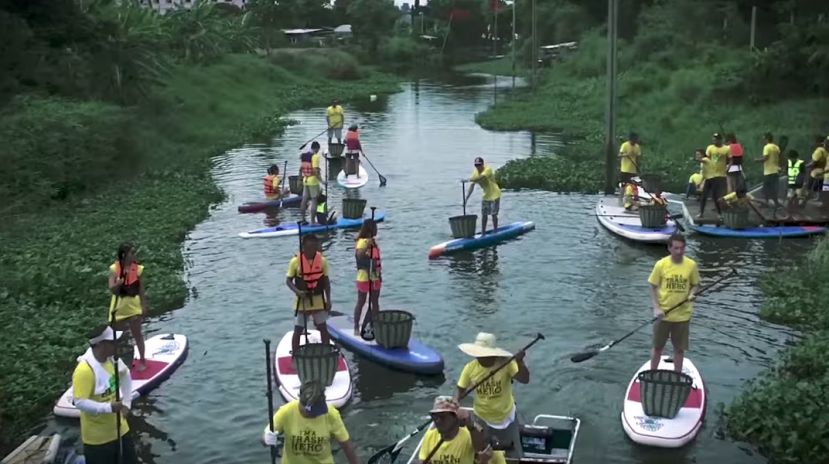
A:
(306, 167)
(352, 141)
(268, 184)
(736, 153)
(131, 285)
(371, 263)
(310, 273)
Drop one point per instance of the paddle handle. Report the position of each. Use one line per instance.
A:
(268, 368)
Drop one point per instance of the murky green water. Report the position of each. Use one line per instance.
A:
(569, 279)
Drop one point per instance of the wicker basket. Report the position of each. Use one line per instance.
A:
(335, 149)
(316, 361)
(653, 216)
(735, 217)
(463, 226)
(335, 165)
(393, 328)
(295, 184)
(353, 208)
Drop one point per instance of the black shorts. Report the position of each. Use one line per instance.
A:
(771, 186)
(626, 177)
(816, 185)
(108, 452)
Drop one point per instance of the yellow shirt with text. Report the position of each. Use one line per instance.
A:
(630, 157)
(335, 116)
(458, 450)
(719, 160)
(493, 398)
(771, 159)
(96, 429)
(673, 282)
(486, 179)
(308, 439)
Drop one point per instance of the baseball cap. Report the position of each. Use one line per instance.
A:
(479, 160)
(312, 398)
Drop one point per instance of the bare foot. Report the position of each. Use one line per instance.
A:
(142, 365)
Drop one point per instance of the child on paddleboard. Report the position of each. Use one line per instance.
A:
(369, 278)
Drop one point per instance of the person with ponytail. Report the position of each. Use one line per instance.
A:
(128, 300)
(369, 279)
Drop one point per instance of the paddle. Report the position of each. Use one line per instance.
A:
(367, 332)
(113, 309)
(463, 195)
(389, 453)
(270, 394)
(585, 355)
(382, 178)
(282, 184)
(312, 139)
(678, 224)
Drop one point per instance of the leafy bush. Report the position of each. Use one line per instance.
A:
(403, 50)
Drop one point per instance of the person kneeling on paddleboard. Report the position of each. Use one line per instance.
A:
(324, 216)
(352, 151)
(271, 184)
(93, 390)
(307, 277)
(455, 438)
(673, 279)
(494, 405)
(128, 300)
(309, 169)
(308, 425)
(367, 254)
(491, 202)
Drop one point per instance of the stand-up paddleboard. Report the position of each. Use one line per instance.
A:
(417, 357)
(353, 181)
(257, 206)
(291, 229)
(164, 353)
(627, 224)
(337, 394)
(492, 237)
(660, 431)
(760, 232)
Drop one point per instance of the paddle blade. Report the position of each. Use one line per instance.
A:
(382, 181)
(584, 356)
(385, 456)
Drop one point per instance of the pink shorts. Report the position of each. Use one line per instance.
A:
(362, 287)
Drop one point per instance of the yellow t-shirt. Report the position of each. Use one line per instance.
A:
(315, 302)
(458, 450)
(629, 162)
(498, 457)
(718, 157)
(493, 398)
(362, 274)
(771, 159)
(127, 306)
(308, 439)
(696, 179)
(335, 116)
(315, 164)
(707, 168)
(275, 183)
(486, 179)
(98, 429)
(673, 282)
(820, 156)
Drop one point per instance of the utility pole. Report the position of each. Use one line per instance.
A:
(610, 128)
(513, 42)
(535, 47)
(753, 25)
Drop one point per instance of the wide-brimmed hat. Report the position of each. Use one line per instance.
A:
(312, 398)
(484, 347)
(106, 335)
(445, 404)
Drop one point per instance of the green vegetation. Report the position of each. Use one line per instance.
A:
(795, 388)
(682, 77)
(501, 66)
(89, 163)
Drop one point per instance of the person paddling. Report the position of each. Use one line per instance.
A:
(369, 277)
(128, 299)
(630, 154)
(353, 148)
(335, 118)
(455, 438)
(309, 169)
(93, 392)
(734, 175)
(494, 405)
(673, 279)
(272, 183)
(491, 201)
(308, 424)
(771, 169)
(307, 277)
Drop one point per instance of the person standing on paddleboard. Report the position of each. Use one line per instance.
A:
(673, 279)
(734, 170)
(458, 437)
(335, 118)
(307, 277)
(128, 299)
(308, 425)
(491, 202)
(367, 254)
(771, 170)
(309, 169)
(715, 165)
(93, 393)
(353, 147)
(494, 405)
(630, 155)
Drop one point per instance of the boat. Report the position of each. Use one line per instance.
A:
(627, 224)
(164, 354)
(353, 181)
(550, 439)
(291, 229)
(661, 431)
(417, 357)
(337, 394)
(493, 237)
(257, 206)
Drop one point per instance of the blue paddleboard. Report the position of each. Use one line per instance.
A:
(761, 232)
(492, 237)
(284, 230)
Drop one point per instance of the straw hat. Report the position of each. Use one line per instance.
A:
(484, 347)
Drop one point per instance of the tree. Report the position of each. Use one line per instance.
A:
(372, 20)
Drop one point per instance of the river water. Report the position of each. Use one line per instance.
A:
(569, 279)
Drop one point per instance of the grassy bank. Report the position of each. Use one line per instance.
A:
(501, 66)
(88, 175)
(795, 389)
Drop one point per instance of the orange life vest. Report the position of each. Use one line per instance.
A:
(131, 285)
(352, 141)
(370, 263)
(310, 273)
(306, 167)
(268, 184)
(658, 200)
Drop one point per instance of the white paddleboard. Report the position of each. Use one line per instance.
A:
(353, 181)
(164, 353)
(660, 431)
(337, 394)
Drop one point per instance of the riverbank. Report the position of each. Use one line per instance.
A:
(148, 168)
(784, 411)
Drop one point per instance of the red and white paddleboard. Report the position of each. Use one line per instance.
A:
(164, 353)
(660, 431)
(337, 394)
